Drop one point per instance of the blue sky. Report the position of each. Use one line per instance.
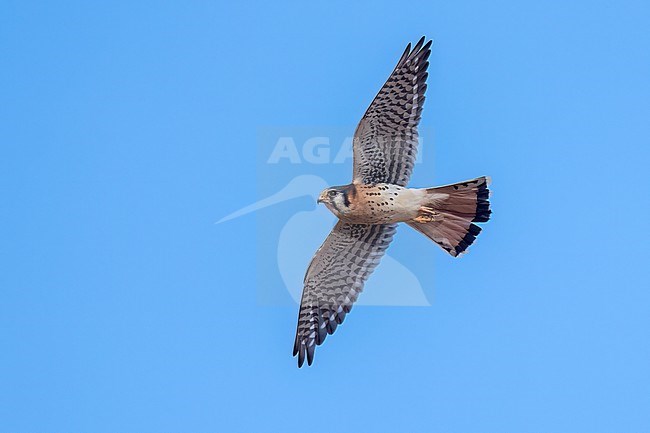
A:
(127, 129)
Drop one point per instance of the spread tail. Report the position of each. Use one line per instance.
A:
(448, 213)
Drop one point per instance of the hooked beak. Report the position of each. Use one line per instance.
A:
(321, 197)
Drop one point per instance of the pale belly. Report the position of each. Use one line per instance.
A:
(385, 204)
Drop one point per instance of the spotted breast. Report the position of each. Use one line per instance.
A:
(382, 203)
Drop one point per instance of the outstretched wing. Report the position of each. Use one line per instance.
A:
(334, 279)
(386, 140)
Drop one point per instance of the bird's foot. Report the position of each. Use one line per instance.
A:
(427, 215)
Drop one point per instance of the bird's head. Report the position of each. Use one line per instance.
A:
(336, 199)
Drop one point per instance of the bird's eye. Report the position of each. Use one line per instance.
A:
(331, 193)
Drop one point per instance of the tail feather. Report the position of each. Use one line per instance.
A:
(457, 207)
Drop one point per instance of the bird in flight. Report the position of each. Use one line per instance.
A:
(369, 209)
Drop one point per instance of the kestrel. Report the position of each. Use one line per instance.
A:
(385, 146)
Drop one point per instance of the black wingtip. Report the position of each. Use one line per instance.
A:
(419, 44)
(310, 353)
(405, 55)
(301, 357)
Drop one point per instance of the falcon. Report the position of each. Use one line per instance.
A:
(369, 209)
